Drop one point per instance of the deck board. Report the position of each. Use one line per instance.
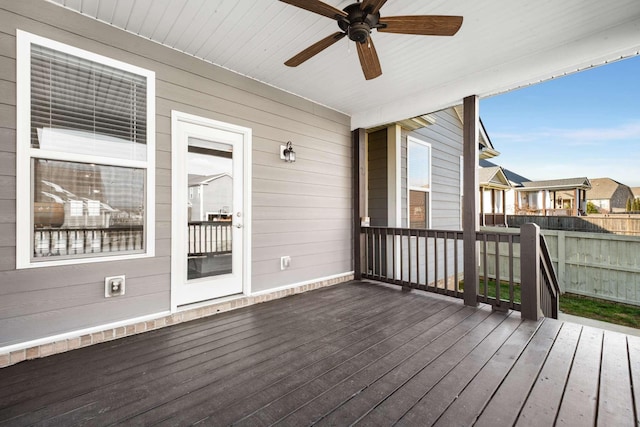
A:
(579, 403)
(142, 389)
(634, 365)
(505, 404)
(357, 353)
(543, 403)
(394, 330)
(426, 398)
(615, 402)
(284, 374)
(408, 380)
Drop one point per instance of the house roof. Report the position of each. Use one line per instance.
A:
(205, 179)
(603, 188)
(581, 183)
(502, 45)
(493, 177)
(514, 179)
(487, 150)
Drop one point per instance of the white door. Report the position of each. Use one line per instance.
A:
(208, 217)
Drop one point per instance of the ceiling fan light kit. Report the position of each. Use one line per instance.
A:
(357, 20)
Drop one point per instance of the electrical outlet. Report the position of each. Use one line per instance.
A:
(114, 286)
(285, 262)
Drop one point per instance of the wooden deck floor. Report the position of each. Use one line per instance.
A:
(356, 353)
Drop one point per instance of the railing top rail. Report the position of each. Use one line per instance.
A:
(546, 258)
(376, 227)
(210, 223)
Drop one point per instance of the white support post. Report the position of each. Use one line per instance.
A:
(530, 272)
(471, 216)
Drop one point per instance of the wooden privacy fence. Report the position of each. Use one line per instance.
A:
(598, 265)
(625, 224)
(432, 260)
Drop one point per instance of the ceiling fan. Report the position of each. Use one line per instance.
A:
(358, 20)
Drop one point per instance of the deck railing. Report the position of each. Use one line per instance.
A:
(52, 241)
(209, 238)
(422, 259)
(432, 260)
(549, 289)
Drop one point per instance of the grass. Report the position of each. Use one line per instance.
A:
(607, 311)
(591, 308)
(491, 292)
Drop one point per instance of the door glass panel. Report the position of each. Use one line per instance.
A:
(210, 208)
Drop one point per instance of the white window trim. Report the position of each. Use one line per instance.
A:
(411, 139)
(24, 153)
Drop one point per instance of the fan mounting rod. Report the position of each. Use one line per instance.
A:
(358, 23)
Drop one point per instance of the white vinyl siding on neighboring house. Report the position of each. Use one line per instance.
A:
(419, 183)
(85, 155)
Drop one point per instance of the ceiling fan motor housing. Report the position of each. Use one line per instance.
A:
(358, 23)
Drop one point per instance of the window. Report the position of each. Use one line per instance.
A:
(86, 155)
(419, 177)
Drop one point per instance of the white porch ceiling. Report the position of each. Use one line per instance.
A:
(502, 45)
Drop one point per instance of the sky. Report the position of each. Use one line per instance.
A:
(583, 124)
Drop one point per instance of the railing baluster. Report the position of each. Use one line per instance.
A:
(446, 262)
(409, 258)
(456, 281)
(485, 266)
(497, 267)
(436, 261)
(510, 265)
(426, 259)
(418, 259)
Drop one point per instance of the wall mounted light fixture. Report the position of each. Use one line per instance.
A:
(286, 153)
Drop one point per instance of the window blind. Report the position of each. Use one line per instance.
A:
(68, 92)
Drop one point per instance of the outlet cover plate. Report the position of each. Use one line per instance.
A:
(114, 286)
(285, 262)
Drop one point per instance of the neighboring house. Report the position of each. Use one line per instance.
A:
(415, 169)
(555, 197)
(609, 196)
(210, 197)
(515, 180)
(494, 186)
(126, 90)
(636, 192)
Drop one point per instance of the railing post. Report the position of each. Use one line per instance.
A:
(530, 271)
(470, 213)
(358, 138)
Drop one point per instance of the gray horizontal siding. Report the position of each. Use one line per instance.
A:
(302, 209)
(378, 192)
(445, 137)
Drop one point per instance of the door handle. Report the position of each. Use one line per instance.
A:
(238, 226)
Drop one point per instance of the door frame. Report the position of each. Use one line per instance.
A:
(178, 229)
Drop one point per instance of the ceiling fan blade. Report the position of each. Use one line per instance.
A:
(375, 5)
(314, 49)
(316, 6)
(369, 59)
(426, 25)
